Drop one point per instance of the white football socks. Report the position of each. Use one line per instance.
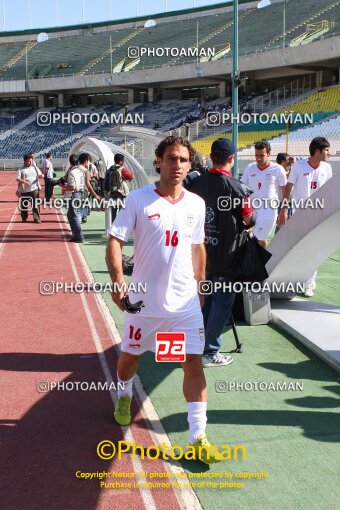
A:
(124, 388)
(197, 418)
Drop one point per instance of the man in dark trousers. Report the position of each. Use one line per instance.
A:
(101, 175)
(227, 214)
(116, 187)
(48, 173)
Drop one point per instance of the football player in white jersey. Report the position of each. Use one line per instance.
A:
(306, 177)
(169, 256)
(266, 179)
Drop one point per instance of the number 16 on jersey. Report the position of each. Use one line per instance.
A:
(170, 346)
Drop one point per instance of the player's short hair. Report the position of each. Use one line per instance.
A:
(73, 159)
(28, 156)
(119, 158)
(263, 144)
(48, 154)
(319, 143)
(174, 140)
(282, 156)
(84, 156)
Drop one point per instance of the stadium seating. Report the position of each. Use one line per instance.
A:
(298, 15)
(327, 100)
(94, 50)
(167, 113)
(322, 104)
(170, 114)
(11, 118)
(39, 138)
(60, 137)
(299, 140)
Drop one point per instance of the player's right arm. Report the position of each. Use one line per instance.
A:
(119, 233)
(114, 264)
(283, 216)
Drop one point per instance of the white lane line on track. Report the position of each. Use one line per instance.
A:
(137, 465)
(10, 225)
(6, 234)
(8, 184)
(186, 498)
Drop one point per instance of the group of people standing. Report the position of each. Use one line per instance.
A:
(82, 180)
(85, 179)
(181, 238)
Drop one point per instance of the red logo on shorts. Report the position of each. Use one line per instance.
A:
(170, 346)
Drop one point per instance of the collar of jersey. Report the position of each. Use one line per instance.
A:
(169, 199)
(314, 167)
(216, 170)
(265, 168)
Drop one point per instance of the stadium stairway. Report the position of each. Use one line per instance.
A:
(25, 118)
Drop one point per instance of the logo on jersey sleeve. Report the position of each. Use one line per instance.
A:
(154, 217)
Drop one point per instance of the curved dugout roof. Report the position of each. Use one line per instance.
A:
(106, 151)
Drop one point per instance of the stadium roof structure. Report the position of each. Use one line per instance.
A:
(108, 23)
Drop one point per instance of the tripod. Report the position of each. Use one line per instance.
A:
(237, 340)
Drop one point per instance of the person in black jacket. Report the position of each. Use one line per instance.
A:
(198, 168)
(227, 215)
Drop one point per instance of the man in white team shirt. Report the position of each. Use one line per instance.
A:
(306, 177)
(266, 180)
(169, 256)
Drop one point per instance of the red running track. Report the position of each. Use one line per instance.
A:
(45, 437)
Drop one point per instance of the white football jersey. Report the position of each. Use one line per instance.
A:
(265, 183)
(307, 179)
(164, 232)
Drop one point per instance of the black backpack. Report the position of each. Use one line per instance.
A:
(113, 180)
